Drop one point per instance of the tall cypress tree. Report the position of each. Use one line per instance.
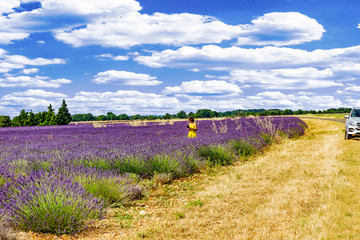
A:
(63, 117)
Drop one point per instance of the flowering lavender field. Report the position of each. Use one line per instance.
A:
(58, 179)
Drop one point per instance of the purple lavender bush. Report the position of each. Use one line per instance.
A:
(44, 202)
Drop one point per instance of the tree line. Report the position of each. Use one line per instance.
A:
(45, 118)
(63, 117)
(204, 113)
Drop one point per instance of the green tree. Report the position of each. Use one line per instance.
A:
(88, 117)
(31, 121)
(111, 116)
(101, 118)
(298, 112)
(214, 114)
(191, 114)
(166, 116)
(23, 118)
(136, 117)
(49, 117)
(63, 117)
(123, 117)
(203, 113)
(288, 112)
(77, 117)
(40, 117)
(152, 117)
(5, 121)
(15, 122)
(181, 114)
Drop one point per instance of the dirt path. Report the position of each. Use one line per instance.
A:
(339, 120)
(306, 188)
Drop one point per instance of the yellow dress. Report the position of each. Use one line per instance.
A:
(192, 131)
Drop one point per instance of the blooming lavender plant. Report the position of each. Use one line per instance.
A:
(44, 202)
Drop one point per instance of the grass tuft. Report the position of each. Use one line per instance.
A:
(179, 215)
(195, 203)
(162, 178)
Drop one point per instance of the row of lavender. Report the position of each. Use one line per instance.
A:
(56, 179)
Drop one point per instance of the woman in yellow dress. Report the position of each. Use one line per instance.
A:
(192, 128)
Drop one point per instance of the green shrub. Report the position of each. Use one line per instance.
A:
(268, 139)
(110, 189)
(217, 155)
(130, 164)
(165, 164)
(98, 163)
(282, 134)
(244, 148)
(295, 133)
(193, 164)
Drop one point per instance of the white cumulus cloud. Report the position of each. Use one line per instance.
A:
(203, 87)
(301, 78)
(9, 37)
(91, 7)
(6, 6)
(126, 78)
(9, 62)
(284, 28)
(19, 25)
(36, 100)
(135, 29)
(115, 58)
(218, 58)
(37, 93)
(277, 99)
(28, 81)
(30, 70)
(120, 24)
(129, 102)
(22, 60)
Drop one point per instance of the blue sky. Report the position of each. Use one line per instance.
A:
(158, 56)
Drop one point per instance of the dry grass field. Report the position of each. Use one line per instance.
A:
(306, 188)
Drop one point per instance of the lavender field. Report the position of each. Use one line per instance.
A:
(58, 179)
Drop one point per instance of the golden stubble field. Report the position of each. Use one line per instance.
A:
(306, 188)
